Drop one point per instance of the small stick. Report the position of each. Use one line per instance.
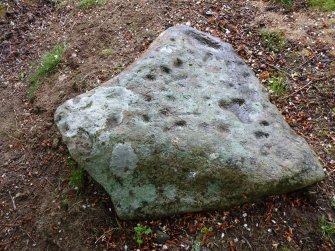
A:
(10, 225)
(10, 136)
(231, 245)
(104, 234)
(29, 236)
(307, 61)
(15, 117)
(279, 69)
(5, 243)
(13, 201)
(248, 243)
(297, 90)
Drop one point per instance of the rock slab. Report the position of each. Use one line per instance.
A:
(186, 128)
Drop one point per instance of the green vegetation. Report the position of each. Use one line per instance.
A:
(45, 67)
(333, 204)
(87, 4)
(107, 52)
(327, 228)
(286, 3)
(70, 163)
(60, 4)
(285, 249)
(3, 9)
(21, 75)
(326, 5)
(206, 230)
(197, 242)
(76, 178)
(277, 85)
(273, 40)
(140, 232)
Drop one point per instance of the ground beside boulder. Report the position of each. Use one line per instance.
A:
(185, 128)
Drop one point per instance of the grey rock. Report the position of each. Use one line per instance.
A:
(185, 128)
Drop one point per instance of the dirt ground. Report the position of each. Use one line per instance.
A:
(39, 210)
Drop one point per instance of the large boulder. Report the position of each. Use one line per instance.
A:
(185, 128)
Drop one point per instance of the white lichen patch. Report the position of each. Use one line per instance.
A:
(94, 111)
(124, 160)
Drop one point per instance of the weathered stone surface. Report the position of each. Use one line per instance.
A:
(185, 128)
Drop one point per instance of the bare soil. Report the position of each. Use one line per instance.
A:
(39, 210)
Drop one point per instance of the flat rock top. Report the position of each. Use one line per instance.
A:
(189, 111)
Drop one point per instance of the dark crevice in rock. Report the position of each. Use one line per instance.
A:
(239, 101)
(178, 62)
(237, 106)
(147, 98)
(66, 127)
(165, 69)
(181, 123)
(83, 142)
(165, 111)
(202, 38)
(224, 104)
(222, 127)
(204, 125)
(59, 117)
(111, 122)
(150, 77)
(207, 56)
(171, 97)
(245, 74)
(264, 123)
(260, 134)
(146, 117)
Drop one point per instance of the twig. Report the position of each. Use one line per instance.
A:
(300, 89)
(10, 136)
(307, 61)
(247, 243)
(5, 243)
(15, 117)
(29, 236)
(231, 245)
(104, 234)
(90, 73)
(48, 181)
(13, 201)
(279, 69)
(11, 225)
(3, 48)
(72, 206)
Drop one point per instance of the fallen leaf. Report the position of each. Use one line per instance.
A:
(264, 75)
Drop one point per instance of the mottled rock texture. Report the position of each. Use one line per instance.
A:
(185, 128)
